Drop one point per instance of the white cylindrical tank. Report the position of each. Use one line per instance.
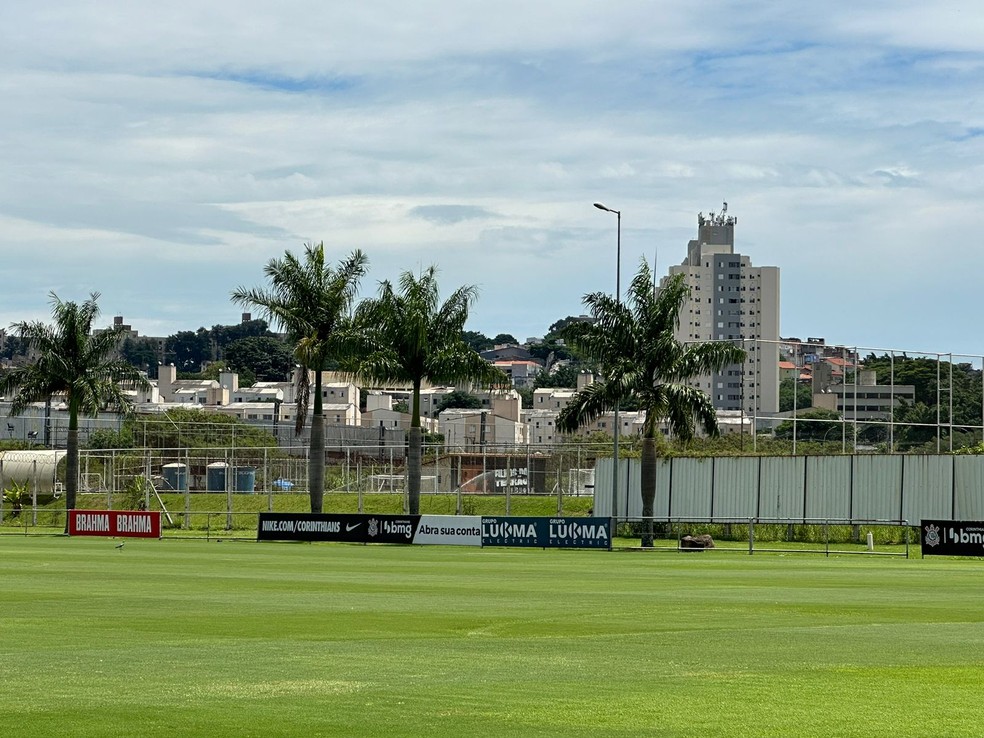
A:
(35, 466)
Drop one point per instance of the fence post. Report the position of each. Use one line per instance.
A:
(508, 484)
(267, 480)
(187, 489)
(560, 484)
(34, 494)
(460, 482)
(228, 486)
(147, 483)
(751, 536)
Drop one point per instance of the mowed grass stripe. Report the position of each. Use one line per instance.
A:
(191, 637)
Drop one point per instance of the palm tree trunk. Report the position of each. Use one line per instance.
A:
(316, 460)
(414, 454)
(72, 464)
(648, 485)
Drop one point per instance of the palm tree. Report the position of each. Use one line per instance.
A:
(642, 360)
(72, 362)
(411, 337)
(311, 302)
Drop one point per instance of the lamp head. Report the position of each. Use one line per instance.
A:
(602, 206)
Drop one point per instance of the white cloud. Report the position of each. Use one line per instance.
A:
(162, 155)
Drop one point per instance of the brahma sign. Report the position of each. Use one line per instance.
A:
(116, 523)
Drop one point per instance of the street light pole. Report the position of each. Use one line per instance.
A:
(618, 300)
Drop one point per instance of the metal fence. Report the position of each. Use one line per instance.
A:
(500, 476)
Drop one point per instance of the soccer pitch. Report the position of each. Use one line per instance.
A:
(237, 639)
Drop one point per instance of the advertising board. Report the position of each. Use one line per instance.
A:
(952, 537)
(546, 532)
(444, 530)
(447, 530)
(115, 523)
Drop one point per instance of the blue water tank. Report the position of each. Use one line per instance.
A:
(215, 477)
(176, 477)
(245, 479)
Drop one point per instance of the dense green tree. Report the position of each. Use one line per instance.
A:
(931, 379)
(223, 335)
(106, 438)
(919, 425)
(563, 376)
(13, 346)
(557, 328)
(189, 350)
(803, 395)
(459, 400)
(410, 336)
(72, 362)
(267, 359)
(503, 339)
(551, 351)
(214, 371)
(816, 424)
(193, 428)
(478, 341)
(639, 357)
(141, 353)
(311, 301)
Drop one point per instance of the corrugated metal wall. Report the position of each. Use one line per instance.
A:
(877, 488)
(968, 483)
(828, 487)
(781, 487)
(801, 488)
(735, 489)
(693, 485)
(927, 487)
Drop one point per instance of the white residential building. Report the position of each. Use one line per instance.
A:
(379, 413)
(731, 300)
(502, 425)
(189, 392)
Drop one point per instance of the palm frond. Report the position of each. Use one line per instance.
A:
(637, 352)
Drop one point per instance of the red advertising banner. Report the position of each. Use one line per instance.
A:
(120, 523)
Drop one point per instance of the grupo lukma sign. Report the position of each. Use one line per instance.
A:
(547, 532)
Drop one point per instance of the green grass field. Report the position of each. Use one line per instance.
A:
(237, 639)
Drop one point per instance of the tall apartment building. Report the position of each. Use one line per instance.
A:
(732, 301)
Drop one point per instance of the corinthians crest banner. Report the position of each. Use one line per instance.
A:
(952, 537)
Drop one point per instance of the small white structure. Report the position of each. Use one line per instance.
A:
(36, 468)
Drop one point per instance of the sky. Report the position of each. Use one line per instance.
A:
(162, 154)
